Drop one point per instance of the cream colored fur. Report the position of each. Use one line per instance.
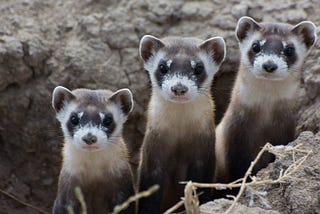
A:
(112, 160)
(180, 118)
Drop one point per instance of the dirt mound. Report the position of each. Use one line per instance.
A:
(221, 205)
(299, 193)
(94, 44)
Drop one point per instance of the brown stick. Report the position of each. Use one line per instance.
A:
(191, 201)
(22, 202)
(175, 207)
(136, 197)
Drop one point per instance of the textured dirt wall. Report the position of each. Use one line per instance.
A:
(94, 44)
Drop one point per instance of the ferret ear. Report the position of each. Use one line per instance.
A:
(245, 25)
(149, 45)
(216, 48)
(307, 32)
(60, 97)
(124, 99)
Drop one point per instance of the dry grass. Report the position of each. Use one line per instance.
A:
(22, 202)
(135, 198)
(191, 200)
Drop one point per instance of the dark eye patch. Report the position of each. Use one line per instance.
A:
(199, 69)
(73, 123)
(290, 54)
(183, 67)
(107, 121)
(200, 73)
(108, 124)
(256, 48)
(289, 51)
(74, 119)
(273, 46)
(269, 47)
(162, 70)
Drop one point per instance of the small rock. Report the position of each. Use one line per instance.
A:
(90, 25)
(13, 47)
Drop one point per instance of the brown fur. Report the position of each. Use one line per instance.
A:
(181, 151)
(101, 194)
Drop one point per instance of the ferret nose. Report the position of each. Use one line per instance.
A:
(179, 89)
(269, 67)
(89, 139)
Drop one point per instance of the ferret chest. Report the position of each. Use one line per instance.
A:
(179, 121)
(91, 166)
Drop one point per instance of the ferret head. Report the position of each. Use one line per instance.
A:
(181, 68)
(274, 51)
(91, 119)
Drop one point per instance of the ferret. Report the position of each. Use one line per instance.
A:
(262, 106)
(95, 157)
(179, 139)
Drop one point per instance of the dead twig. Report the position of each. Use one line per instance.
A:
(80, 197)
(70, 209)
(175, 207)
(136, 197)
(191, 200)
(181, 203)
(22, 202)
(258, 194)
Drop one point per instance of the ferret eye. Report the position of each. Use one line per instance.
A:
(74, 119)
(256, 47)
(107, 121)
(198, 69)
(289, 51)
(163, 68)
